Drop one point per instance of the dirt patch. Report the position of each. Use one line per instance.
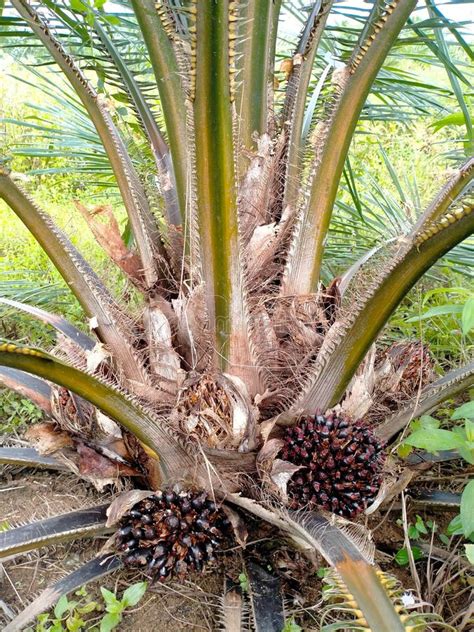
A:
(26, 497)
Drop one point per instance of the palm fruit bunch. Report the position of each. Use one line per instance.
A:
(341, 464)
(171, 533)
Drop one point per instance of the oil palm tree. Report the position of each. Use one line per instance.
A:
(244, 384)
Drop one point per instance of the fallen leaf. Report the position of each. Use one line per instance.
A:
(238, 525)
(105, 228)
(95, 465)
(108, 426)
(286, 67)
(269, 451)
(97, 355)
(123, 502)
(281, 473)
(47, 439)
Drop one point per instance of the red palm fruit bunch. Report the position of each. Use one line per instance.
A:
(341, 464)
(172, 533)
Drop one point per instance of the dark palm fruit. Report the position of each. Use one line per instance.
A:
(342, 468)
(172, 533)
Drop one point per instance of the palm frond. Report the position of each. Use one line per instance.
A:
(406, 261)
(149, 429)
(266, 599)
(90, 291)
(70, 526)
(449, 385)
(350, 87)
(38, 391)
(28, 457)
(60, 324)
(166, 69)
(131, 189)
(344, 549)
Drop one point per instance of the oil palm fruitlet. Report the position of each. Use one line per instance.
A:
(243, 384)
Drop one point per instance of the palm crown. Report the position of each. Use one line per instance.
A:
(237, 336)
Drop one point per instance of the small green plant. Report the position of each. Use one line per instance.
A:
(70, 615)
(67, 615)
(417, 530)
(462, 524)
(463, 309)
(244, 583)
(456, 526)
(292, 626)
(426, 434)
(115, 607)
(467, 513)
(402, 558)
(445, 316)
(16, 411)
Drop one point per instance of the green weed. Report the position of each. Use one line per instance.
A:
(86, 614)
(16, 413)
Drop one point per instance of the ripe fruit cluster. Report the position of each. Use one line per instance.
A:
(342, 462)
(172, 533)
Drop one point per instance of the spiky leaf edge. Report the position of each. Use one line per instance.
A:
(314, 533)
(150, 429)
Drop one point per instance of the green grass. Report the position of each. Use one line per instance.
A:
(16, 413)
(434, 315)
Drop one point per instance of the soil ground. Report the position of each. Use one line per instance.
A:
(31, 495)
